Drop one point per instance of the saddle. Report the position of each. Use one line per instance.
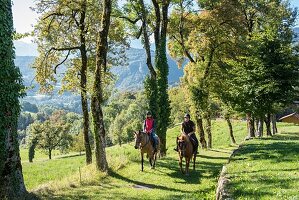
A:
(193, 142)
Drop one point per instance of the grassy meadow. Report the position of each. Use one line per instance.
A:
(59, 178)
(267, 168)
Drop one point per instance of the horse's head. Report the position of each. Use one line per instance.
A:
(182, 143)
(138, 137)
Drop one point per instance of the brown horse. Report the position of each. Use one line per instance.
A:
(185, 149)
(143, 142)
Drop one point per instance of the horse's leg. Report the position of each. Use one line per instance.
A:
(180, 163)
(155, 158)
(187, 165)
(141, 161)
(194, 159)
(151, 162)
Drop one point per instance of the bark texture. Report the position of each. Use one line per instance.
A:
(201, 131)
(83, 82)
(97, 96)
(11, 177)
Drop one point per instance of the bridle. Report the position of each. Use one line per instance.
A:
(182, 147)
(147, 140)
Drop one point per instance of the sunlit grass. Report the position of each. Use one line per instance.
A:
(126, 181)
(267, 168)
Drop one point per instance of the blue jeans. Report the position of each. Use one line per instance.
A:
(153, 138)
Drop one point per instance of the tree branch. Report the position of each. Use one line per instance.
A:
(52, 14)
(66, 57)
(132, 21)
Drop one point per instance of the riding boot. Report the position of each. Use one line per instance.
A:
(176, 148)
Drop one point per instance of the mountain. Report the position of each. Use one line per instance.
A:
(25, 49)
(129, 78)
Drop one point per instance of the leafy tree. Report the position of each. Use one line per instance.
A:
(129, 119)
(25, 119)
(78, 143)
(77, 23)
(179, 105)
(64, 20)
(264, 73)
(51, 134)
(156, 85)
(11, 87)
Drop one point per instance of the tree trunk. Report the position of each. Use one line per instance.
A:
(260, 127)
(208, 130)
(11, 176)
(162, 79)
(253, 124)
(268, 124)
(250, 125)
(50, 154)
(151, 88)
(201, 131)
(230, 127)
(256, 124)
(83, 82)
(274, 127)
(97, 95)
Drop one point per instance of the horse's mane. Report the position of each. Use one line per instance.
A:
(184, 137)
(143, 133)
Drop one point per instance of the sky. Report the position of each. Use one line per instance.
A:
(25, 18)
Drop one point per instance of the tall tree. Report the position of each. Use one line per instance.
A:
(265, 71)
(66, 35)
(156, 84)
(97, 93)
(51, 134)
(11, 177)
(68, 21)
(160, 35)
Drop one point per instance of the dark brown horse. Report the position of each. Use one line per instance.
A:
(143, 142)
(185, 149)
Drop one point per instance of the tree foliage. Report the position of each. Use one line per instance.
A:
(11, 89)
(51, 134)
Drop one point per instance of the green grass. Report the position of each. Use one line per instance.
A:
(267, 168)
(165, 182)
(43, 170)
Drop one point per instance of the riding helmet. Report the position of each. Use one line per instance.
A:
(187, 115)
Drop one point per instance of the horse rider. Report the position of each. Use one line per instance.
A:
(149, 128)
(188, 128)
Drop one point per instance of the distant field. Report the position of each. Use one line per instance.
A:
(43, 170)
(126, 181)
(267, 168)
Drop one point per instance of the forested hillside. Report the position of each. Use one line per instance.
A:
(128, 77)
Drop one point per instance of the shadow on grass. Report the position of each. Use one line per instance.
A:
(70, 156)
(263, 191)
(212, 157)
(148, 185)
(283, 136)
(278, 149)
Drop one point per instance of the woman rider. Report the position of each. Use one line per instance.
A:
(188, 128)
(149, 128)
